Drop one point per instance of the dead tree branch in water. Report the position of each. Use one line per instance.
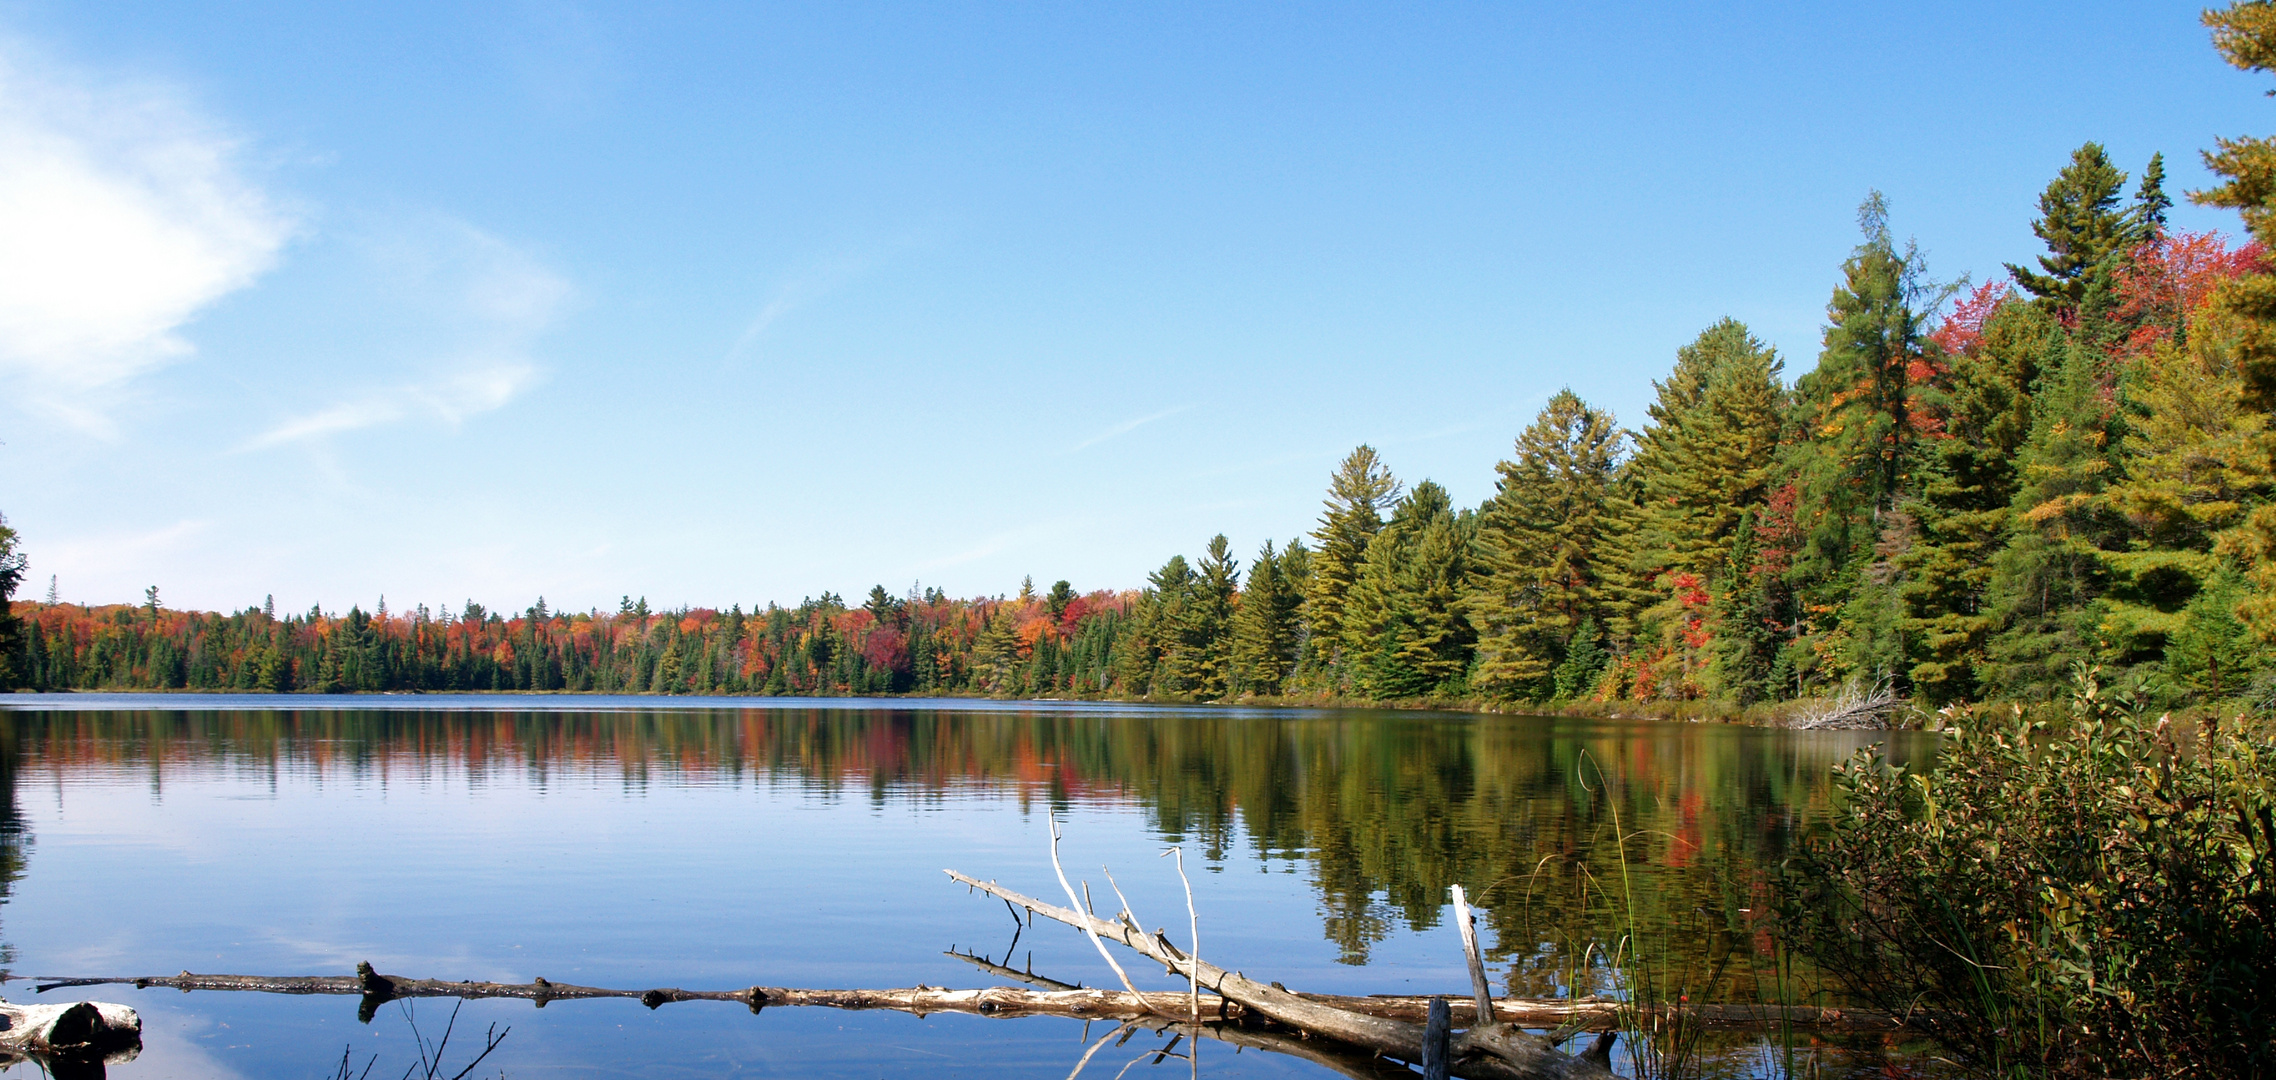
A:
(77, 1029)
(1587, 1014)
(1495, 1051)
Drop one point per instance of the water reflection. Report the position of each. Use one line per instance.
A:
(1384, 810)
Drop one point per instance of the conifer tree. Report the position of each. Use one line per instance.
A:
(1539, 546)
(1859, 407)
(2054, 570)
(2198, 461)
(1264, 626)
(1156, 660)
(1981, 415)
(1206, 633)
(1405, 632)
(1357, 495)
(2150, 202)
(1709, 454)
(12, 565)
(2083, 228)
(2245, 34)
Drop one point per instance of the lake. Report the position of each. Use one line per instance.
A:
(725, 843)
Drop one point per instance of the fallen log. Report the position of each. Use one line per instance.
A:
(1059, 999)
(1494, 1051)
(80, 1029)
(1606, 1014)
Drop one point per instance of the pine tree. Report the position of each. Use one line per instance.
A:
(1264, 626)
(2245, 34)
(1538, 546)
(1703, 466)
(1206, 633)
(2047, 581)
(2197, 462)
(1404, 632)
(1981, 413)
(13, 666)
(1357, 494)
(2080, 221)
(1154, 660)
(2147, 217)
(1859, 461)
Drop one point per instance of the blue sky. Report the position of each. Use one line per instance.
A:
(744, 302)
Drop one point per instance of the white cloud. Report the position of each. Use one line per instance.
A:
(478, 305)
(123, 214)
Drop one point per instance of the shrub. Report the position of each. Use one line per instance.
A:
(2083, 898)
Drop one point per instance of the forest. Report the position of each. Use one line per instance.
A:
(1973, 491)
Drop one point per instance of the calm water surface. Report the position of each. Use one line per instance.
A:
(717, 844)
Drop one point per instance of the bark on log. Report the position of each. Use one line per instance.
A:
(1486, 1052)
(1603, 1014)
(79, 1029)
(1579, 1014)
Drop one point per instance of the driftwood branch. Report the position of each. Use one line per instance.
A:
(1582, 1014)
(1491, 1051)
(1856, 708)
(79, 1029)
(1468, 924)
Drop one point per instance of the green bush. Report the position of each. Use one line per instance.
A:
(2089, 897)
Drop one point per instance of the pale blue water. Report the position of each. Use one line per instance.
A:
(721, 844)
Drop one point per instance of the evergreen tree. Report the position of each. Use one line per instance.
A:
(1981, 415)
(1206, 633)
(14, 668)
(1858, 406)
(1704, 464)
(1404, 631)
(2197, 463)
(1154, 660)
(2080, 221)
(1357, 494)
(1538, 547)
(2150, 203)
(2245, 33)
(2047, 581)
(1264, 626)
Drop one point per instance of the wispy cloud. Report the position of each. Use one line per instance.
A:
(1126, 427)
(126, 214)
(482, 302)
(790, 296)
(450, 399)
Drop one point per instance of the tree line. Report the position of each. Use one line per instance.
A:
(1972, 491)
